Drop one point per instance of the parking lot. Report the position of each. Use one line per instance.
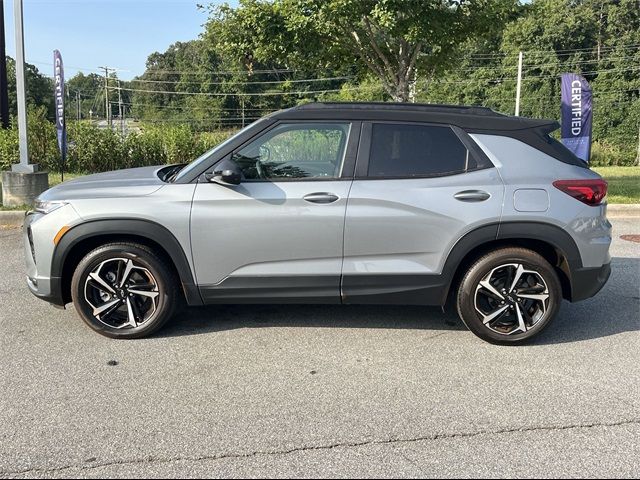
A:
(321, 390)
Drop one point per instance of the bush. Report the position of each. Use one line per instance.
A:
(43, 144)
(9, 153)
(92, 149)
(604, 154)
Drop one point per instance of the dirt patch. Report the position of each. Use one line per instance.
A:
(631, 238)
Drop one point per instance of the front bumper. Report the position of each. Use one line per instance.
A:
(39, 231)
(49, 290)
(586, 282)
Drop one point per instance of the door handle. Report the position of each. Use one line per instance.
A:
(472, 196)
(320, 197)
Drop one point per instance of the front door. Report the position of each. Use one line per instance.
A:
(278, 236)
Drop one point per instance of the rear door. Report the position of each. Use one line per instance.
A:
(278, 236)
(418, 189)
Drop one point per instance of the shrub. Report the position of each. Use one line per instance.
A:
(604, 154)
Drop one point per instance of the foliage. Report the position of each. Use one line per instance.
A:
(389, 38)
(93, 149)
(39, 88)
(259, 56)
(43, 146)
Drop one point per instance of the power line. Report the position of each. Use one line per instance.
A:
(241, 83)
(565, 52)
(241, 94)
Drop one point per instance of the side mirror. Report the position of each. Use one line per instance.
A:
(226, 172)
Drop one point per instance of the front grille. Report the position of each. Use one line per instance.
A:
(33, 249)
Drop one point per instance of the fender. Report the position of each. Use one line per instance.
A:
(553, 235)
(140, 228)
(546, 232)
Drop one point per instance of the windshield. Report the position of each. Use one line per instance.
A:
(203, 158)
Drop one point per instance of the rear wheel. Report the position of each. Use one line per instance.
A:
(124, 290)
(509, 296)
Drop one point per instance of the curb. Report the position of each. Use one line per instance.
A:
(620, 210)
(12, 218)
(15, 218)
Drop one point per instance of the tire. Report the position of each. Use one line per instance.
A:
(134, 307)
(500, 316)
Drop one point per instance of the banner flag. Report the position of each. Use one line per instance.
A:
(576, 115)
(61, 127)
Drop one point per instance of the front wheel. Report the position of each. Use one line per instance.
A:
(124, 290)
(509, 296)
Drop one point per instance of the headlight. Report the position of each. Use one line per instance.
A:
(47, 207)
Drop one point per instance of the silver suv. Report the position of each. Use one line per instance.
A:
(335, 203)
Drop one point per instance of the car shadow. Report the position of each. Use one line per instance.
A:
(616, 309)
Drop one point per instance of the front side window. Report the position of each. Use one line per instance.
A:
(403, 150)
(295, 151)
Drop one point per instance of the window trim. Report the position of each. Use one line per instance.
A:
(348, 163)
(366, 139)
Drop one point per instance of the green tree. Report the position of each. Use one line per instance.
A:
(391, 38)
(39, 89)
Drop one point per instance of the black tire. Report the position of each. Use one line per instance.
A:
(499, 268)
(150, 273)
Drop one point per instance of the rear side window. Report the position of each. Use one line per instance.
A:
(402, 150)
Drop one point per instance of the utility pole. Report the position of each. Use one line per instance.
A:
(120, 108)
(242, 103)
(519, 85)
(4, 84)
(78, 100)
(107, 106)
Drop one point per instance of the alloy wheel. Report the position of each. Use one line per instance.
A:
(511, 299)
(121, 293)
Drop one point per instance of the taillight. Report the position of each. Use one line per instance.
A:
(590, 192)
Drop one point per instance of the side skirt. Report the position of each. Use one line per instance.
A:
(298, 289)
(394, 289)
(362, 289)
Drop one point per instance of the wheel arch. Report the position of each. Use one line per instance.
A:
(553, 243)
(83, 238)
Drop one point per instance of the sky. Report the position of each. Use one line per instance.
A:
(95, 33)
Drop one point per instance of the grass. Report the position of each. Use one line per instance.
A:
(624, 183)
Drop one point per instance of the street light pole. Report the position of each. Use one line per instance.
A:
(24, 182)
(24, 166)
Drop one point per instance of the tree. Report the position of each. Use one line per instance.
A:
(91, 90)
(391, 38)
(39, 89)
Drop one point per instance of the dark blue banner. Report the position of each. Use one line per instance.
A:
(61, 127)
(576, 115)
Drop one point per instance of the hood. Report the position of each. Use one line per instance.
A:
(132, 182)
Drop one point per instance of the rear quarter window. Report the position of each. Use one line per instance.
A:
(405, 150)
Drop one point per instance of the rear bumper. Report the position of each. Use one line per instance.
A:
(586, 282)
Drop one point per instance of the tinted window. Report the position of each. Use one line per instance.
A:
(295, 151)
(399, 150)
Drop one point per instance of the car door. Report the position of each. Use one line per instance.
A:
(418, 189)
(278, 235)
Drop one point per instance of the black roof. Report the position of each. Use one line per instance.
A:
(472, 118)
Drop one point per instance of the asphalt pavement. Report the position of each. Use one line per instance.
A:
(308, 391)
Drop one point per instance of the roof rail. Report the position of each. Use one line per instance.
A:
(431, 107)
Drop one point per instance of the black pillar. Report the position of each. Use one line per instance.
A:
(4, 86)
